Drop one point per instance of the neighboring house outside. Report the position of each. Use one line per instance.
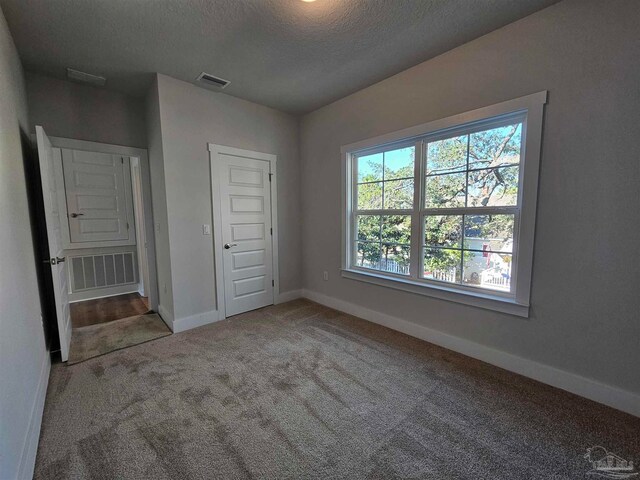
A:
(492, 268)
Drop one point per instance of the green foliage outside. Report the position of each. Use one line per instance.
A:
(492, 157)
(386, 237)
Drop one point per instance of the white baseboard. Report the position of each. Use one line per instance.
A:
(102, 293)
(198, 320)
(30, 447)
(611, 396)
(288, 296)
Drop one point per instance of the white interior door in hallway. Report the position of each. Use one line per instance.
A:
(46, 155)
(98, 197)
(243, 225)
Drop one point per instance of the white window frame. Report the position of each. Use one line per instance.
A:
(528, 109)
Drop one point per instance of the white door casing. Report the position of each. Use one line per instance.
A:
(99, 200)
(243, 207)
(46, 155)
(141, 239)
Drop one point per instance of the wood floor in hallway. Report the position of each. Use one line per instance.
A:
(101, 310)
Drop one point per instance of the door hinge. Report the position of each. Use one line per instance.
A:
(127, 225)
(273, 283)
(122, 160)
(271, 231)
(270, 175)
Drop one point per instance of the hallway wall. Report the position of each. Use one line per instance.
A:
(84, 112)
(23, 354)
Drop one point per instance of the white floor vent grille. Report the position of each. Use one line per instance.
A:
(99, 271)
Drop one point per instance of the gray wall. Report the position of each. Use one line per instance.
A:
(83, 112)
(191, 117)
(23, 355)
(585, 302)
(159, 202)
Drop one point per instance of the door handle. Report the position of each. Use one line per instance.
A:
(74, 215)
(229, 245)
(55, 260)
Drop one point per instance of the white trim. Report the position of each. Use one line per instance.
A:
(30, 446)
(288, 296)
(609, 395)
(516, 302)
(138, 211)
(521, 103)
(274, 225)
(73, 144)
(106, 292)
(218, 270)
(214, 149)
(479, 299)
(194, 321)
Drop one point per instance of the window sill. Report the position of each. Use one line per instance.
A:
(475, 299)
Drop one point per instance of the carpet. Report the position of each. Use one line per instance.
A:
(95, 340)
(301, 391)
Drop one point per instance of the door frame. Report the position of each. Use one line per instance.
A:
(143, 159)
(215, 151)
(137, 197)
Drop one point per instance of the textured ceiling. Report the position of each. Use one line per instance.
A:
(287, 54)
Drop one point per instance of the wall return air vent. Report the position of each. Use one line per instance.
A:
(212, 81)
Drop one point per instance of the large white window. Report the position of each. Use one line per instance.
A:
(448, 208)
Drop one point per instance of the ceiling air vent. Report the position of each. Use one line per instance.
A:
(85, 77)
(212, 81)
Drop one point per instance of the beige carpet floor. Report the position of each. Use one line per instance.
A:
(300, 391)
(95, 340)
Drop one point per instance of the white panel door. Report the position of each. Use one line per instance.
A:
(47, 158)
(245, 212)
(98, 194)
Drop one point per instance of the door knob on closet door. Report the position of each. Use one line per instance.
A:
(229, 245)
(55, 260)
(74, 215)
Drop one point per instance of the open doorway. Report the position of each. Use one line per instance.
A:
(99, 224)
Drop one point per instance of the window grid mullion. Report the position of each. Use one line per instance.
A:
(380, 224)
(402, 178)
(383, 195)
(451, 172)
(471, 211)
(466, 204)
(466, 176)
(414, 249)
(400, 211)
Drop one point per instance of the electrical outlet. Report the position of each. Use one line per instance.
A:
(325, 275)
(206, 229)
